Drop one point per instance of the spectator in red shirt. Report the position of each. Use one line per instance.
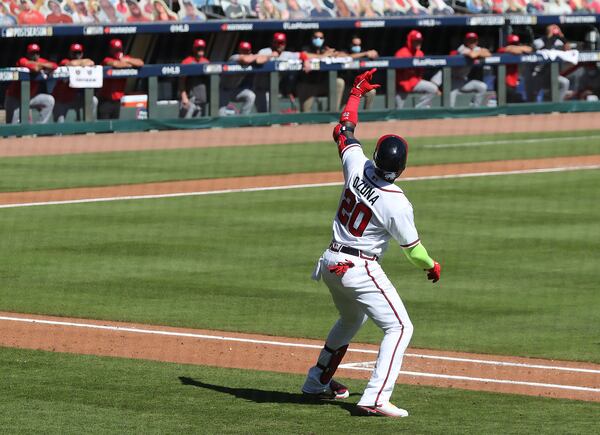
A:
(66, 97)
(410, 80)
(41, 102)
(114, 89)
(192, 89)
(29, 15)
(56, 15)
(513, 46)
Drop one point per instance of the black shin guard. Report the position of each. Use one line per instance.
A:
(329, 360)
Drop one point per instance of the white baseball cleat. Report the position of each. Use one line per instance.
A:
(384, 410)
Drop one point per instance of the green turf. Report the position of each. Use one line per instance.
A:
(73, 394)
(519, 257)
(51, 172)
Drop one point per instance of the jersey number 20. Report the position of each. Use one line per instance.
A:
(354, 215)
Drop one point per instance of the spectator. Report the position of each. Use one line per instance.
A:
(6, 18)
(535, 7)
(56, 15)
(356, 52)
(318, 11)
(478, 6)
(593, 6)
(193, 89)
(41, 102)
(342, 9)
(237, 11)
(238, 87)
(136, 14)
(438, 7)
(414, 7)
(366, 9)
(516, 7)
(114, 89)
(313, 84)
(161, 11)
(578, 6)
(122, 7)
(513, 46)
(461, 82)
(108, 13)
(28, 15)
(189, 12)
(410, 80)
(295, 11)
(268, 11)
(81, 14)
(553, 39)
(557, 7)
(69, 98)
(287, 81)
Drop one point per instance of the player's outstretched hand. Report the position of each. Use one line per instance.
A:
(433, 274)
(362, 83)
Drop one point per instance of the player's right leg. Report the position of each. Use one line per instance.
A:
(319, 380)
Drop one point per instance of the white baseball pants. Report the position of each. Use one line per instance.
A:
(364, 291)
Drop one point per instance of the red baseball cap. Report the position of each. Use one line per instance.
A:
(513, 39)
(279, 37)
(76, 47)
(116, 43)
(245, 46)
(471, 36)
(199, 43)
(33, 48)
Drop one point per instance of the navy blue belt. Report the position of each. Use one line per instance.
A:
(338, 247)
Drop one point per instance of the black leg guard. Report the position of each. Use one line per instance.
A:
(329, 360)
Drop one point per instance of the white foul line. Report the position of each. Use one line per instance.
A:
(280, 343)
(360, 367)
(294, 186)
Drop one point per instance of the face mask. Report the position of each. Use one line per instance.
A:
(356, 48)
(318, 42)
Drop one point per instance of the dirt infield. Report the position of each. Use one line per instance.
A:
(536, 377)
(30, 146)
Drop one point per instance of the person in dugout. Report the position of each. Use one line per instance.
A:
(193, 89)
(513, 46)
(67, 98)
(40, 101)
(114, 89)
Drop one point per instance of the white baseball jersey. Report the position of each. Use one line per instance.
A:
(371, 210)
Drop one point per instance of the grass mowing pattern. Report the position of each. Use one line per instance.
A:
(60, 393)
(517, 253)
(100, 169)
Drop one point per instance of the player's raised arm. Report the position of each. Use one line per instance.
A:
(349, 117)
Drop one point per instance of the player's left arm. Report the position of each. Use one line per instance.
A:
(402, 228)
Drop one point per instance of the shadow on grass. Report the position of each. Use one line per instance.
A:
(269, 396)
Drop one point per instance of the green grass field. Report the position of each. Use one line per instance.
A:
(69, 394)
(519, 254)
(98, 169)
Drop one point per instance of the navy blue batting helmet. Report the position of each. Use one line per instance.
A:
(390, 156)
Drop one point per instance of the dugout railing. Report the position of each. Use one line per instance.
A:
(333, 66)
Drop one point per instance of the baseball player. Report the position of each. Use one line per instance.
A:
(372, 210)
